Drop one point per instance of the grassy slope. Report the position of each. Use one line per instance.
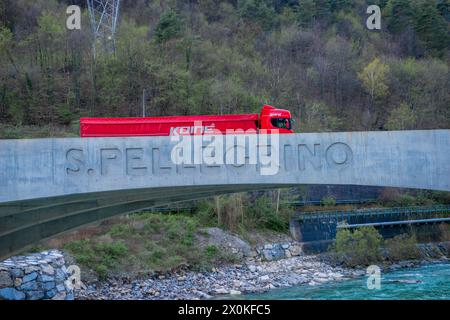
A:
(146, 243)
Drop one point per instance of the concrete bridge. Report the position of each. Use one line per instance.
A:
(48, 186)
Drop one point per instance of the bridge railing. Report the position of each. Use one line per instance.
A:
(375, 214)
(301, 203)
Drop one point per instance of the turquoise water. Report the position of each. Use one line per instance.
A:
(433, 282)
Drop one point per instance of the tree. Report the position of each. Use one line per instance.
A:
(318, 117)
(169, 26)
(258, 11)
(423, 85)
(361, 246)
(306, 12)
(324, 9)
(373, 77)
(401, 118)
(399, 15)
(432, 28)
(6, 42)
(3, 17)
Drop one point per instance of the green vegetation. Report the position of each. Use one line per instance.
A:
(328, 201)
(146, 243)
(402, 247)
(361, 246)
(8, 131)
(313, 57)
(169, 26)
(244, 212)
(153, 242)
(391, 197)
(100, 256)
(365, 246)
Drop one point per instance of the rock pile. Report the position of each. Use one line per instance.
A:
(277, 251)
(229, 280)
(35, 276)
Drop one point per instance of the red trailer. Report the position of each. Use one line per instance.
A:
(269, 119)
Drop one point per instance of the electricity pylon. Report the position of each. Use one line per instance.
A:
(104, 15)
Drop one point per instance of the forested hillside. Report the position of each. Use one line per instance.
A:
(313, 57)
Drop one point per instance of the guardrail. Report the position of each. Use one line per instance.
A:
(302, 203)
(373, 212)
(393, 223)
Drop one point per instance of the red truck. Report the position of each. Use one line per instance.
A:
(270, 119)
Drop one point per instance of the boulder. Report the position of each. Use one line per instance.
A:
(224, 240)
(11, 294)
(5, 280)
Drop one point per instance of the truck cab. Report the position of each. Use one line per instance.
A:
(276, 119)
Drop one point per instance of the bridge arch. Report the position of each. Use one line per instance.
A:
(48, 186)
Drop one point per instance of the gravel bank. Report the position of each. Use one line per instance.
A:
(225, 280)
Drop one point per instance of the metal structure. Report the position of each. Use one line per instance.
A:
(317, 230)
(104, 15)
(375, 215)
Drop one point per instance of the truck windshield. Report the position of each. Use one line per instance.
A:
(282, 123)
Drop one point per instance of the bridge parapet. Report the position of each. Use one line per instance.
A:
(43, 168)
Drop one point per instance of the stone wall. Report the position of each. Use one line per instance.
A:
(277, 251)
(35, 276)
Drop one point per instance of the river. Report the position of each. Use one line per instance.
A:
(426, 282)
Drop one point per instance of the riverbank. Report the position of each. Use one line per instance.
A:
(250, 278)
(223, 280)
(429, 281)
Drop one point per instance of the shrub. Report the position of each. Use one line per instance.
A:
(262, 215)
(211, 251)
(406, 200)
(444, 232)
(10, 132)
(361, 246)
(120, 230)
(402, 247)
(65, 116)
(100, 257)
(328, 201)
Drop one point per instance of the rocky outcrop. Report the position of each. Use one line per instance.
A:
(242, 249)
(434, 250)
(277, 251)
(35, 276)
(225, 241)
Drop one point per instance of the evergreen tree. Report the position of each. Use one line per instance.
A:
(169, 26)
(338, 5)
(431, 26)
(399, 15)
(444, 9)
(306, 12)
(258, 11)
(2, 13)
(324, 9)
